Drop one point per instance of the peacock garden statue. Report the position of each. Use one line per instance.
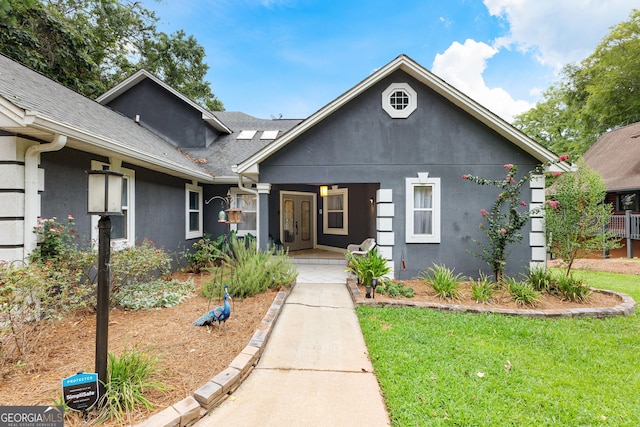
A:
(219, 314)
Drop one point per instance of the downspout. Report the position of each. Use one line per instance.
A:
(31, 204)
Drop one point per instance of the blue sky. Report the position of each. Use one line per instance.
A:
(291, 57)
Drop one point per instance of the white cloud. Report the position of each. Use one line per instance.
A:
(555, 33)
(462, 65)
(559, 32)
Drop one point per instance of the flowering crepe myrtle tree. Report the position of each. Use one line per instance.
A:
(508, 215)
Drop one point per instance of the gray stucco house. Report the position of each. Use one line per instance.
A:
(391, 152)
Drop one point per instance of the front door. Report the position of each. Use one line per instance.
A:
(297, 221)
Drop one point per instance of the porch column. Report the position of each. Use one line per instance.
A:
(264, 190)
(385, 239)
(537, 239)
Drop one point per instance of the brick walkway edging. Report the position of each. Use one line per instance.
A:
(190, 409)
(625, 308)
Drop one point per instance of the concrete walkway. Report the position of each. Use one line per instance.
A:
(315, 368)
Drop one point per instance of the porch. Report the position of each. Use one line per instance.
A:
(627, 227)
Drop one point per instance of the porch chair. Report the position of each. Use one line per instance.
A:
(363, 248)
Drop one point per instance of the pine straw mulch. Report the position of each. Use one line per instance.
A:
(189, 356)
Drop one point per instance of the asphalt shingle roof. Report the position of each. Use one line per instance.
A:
(616, 155)
(227, 150)
(30, 90)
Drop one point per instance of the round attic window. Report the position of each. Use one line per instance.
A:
(399, 100)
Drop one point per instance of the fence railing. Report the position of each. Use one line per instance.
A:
(627, 225)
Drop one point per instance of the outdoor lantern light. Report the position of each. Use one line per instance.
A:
(324, 191)
(105, 193)
(104, 199)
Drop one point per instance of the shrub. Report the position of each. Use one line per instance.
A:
(443, 281)
(541, 279)
(154, 294)
(393, 289)
(128, 378)
(138, 264)
(482, 289)
(522, 292)
(572, 288)
(55, 239)
(366, 267)
(254, 271)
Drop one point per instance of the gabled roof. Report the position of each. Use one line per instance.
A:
(36, 106)
(616, 155)
(141, 75)
(250, 167)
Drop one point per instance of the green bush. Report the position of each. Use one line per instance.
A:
(128, 378)
(541, 279)
(254, 270)
(444, 282)
(138, 264)
(522, 293)
(154, 294)
(572, 288)
(207, 252)
(366, 267)
(482, 289)
(55, 239)
(393, 289)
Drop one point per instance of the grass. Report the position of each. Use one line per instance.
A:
(440, 368)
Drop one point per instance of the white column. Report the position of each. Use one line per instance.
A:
(385, 237)
(537, 240)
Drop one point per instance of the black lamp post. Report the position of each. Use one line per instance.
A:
(104, 199)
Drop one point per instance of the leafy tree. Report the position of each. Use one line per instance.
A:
(576, 218)
(592, 97)
(90, 45)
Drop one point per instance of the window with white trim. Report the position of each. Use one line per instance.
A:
(336, 211)
(399, 100)
(247, 202)
(193, 211)
(423, 209)
(122, 227)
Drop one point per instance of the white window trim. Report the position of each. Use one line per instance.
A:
(119, 244)
(235, 192)
(405, 112)
(344, 192)
(193, 234)
(410, 184)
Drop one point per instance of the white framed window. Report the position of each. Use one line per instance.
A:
(422, 209)
(122, 227)
(249, 218)
(399, 100)
(193, 211)
(335, 217)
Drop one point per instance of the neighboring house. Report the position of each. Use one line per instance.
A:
(616, 155)
(391, 150)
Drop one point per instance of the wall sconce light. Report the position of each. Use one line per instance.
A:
(324, 191)
(371, 200)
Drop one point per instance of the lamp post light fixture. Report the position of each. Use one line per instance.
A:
(104, 198)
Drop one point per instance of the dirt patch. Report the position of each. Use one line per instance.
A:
(189, 356)
(610, 265)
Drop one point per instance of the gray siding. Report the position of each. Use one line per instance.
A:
(361, 144)
(161, 111)
(159, 199)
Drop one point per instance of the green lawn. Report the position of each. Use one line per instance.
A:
(440, 368)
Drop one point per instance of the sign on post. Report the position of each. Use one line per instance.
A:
(80, 391)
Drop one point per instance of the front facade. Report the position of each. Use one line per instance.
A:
(391, 152)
